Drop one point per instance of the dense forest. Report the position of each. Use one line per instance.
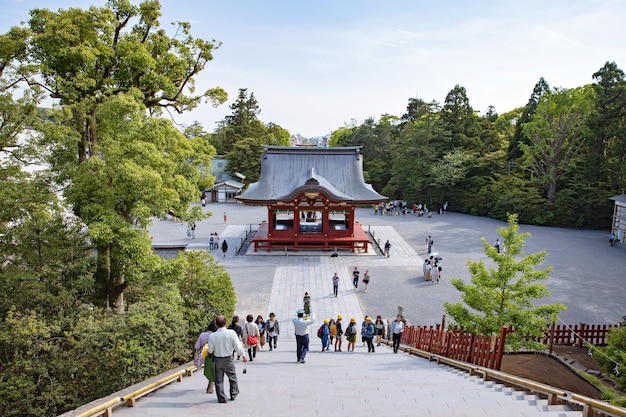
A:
(555, 161)
(83, 297)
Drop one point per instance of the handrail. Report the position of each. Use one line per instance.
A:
(130, 398)
(102, 407)
(588, 404)
(598, 405)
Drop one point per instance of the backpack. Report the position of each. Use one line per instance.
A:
(349, 330)
(320, 332)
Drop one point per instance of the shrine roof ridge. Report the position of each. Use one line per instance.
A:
(286, 171)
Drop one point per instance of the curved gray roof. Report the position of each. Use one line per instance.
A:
(289, 171)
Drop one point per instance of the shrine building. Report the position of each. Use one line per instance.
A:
(311, 195)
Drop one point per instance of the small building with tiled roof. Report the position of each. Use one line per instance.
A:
(311, 194)
(618, 226)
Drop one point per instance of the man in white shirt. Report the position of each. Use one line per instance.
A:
(397, 327)
(301, 327)
(222, 343)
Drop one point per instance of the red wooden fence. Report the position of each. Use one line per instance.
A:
(487, 351)
(479, 350)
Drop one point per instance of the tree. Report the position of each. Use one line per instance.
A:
(518, 138)
(613, 358)
(607, 145)
(242, 123)
(450, 169)
(459, 118)
(504, 295)
(119, 166)
(556, 134)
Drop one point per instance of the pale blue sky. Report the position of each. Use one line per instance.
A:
(316, 66)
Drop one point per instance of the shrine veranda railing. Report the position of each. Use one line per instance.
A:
(487, 351)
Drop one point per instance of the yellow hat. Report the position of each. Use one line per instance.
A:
(352, 320)
(368, 318)
(339, 316)
(326, 321)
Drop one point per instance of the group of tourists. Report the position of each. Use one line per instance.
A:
(214, 243)
(217, 346)
(400, 207)
(432, 269)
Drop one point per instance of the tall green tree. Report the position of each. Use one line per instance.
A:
(459, 118)
(507, 293)
(119, 166)
(242, 123)
(241, 136)
(607, 144)
(556, 134)
(518, 138)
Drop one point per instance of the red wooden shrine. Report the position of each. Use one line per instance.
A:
(311, 195)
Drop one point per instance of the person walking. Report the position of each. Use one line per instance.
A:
(224, 247)
(339, 327)
(369, 334)
(387, 248)
(364, 331)
(306, 304)
(221, 345)
(430, 244)
(366, 279)
(272, 329)
(301, 328)
(497, 245)
(325, 335)
(351, 334)
(434, 273)
(207, 361)
(251, 336)
(355, 278)
(333, 332)
(397, 327)
(261, 325)
(379, 329)
(234, 325)
(426, 269)
(335, 284)
(211, 241)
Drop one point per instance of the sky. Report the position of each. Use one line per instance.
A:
(317, 66)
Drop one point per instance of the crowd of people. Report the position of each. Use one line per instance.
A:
(400, 207)
(217, 347)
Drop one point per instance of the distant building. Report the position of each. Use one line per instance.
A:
(226, 188)
(226, 191)
(618, 226)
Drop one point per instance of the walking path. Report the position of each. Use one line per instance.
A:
(362, 384)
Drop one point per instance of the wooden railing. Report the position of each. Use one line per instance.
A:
(590, 407)
(479, 350)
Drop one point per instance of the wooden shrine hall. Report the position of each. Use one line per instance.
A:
(311, 195)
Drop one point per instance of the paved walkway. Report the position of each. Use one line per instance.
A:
(588, 276)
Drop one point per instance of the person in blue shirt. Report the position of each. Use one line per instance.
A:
(325, 335)
(369, 334)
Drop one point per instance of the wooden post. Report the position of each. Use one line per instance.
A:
(503, 332)
(551, 337)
